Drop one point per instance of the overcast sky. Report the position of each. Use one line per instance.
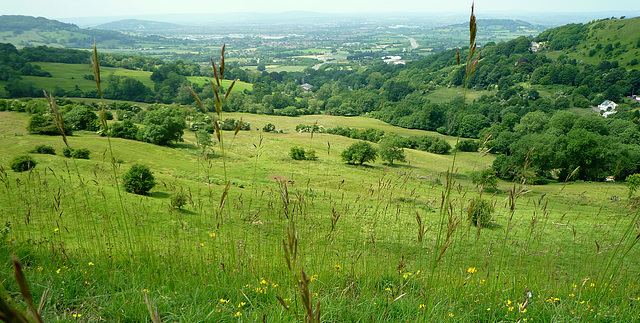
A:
(96, 8)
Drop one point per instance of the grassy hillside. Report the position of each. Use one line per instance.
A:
(354, 229)
(621, 34)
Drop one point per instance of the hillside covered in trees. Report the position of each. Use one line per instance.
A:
(533, 103)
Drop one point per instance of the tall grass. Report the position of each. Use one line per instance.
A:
(350, 244)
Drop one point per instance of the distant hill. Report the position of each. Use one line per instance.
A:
(27, 31)
(504, 24)
(608, 39)
(137, 25)
(23, 23)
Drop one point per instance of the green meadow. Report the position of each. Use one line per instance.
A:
(292, 240)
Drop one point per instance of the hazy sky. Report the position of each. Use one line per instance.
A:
(95, 8)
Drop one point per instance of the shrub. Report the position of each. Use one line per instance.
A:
(66, 151)
(82, 153)
(139, 180)
(468, 145)
(480, 212)
(22, 163)
(485, 179)
(43, 149)
(297, 153)
(179, 200)
(269, 127)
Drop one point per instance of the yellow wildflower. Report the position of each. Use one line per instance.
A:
(242, 304)
(90, 263)
(212, 234)
(76, 315)
(56, 230)
(222, 300)
(145, 290)
(337, 267)
(471, 270)
(238, 314)
(451, 315)
(423, 306)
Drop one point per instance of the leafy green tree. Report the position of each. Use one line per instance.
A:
(139, 180)
(81, 118)
(633, 182)
(360, 153)
(391, 149)
(125, 129)
(163, 126)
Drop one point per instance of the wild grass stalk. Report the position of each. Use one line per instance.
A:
(220, 96)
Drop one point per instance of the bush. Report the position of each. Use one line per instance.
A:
(269, 127)
(480, 212)
(179, 200)
(298, 153)
(43, 149)
(468, 145)
(66, 151)
(139, 180)
(360, 153)
(82, 153)
(22, 163)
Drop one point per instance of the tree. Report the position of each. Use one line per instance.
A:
(633, 182)
(391, 149)
(139, 180)
(360, 152)
(81, 118)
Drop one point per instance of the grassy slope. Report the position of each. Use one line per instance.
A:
(624, 31)
(186, 269)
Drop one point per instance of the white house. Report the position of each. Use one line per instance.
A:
(607, 107)
(306, 87)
